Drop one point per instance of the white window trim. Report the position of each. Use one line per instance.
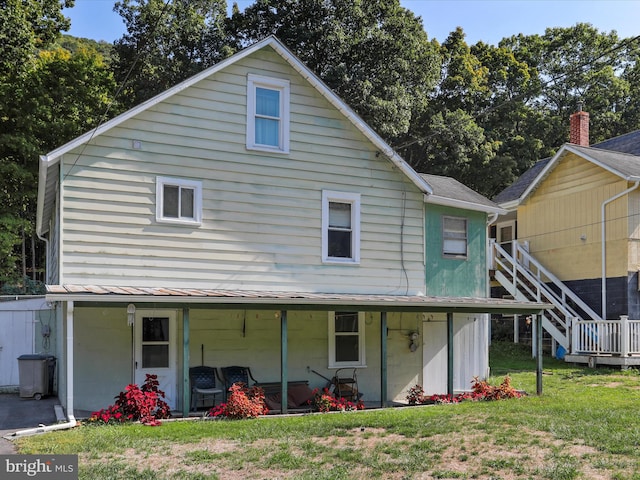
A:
(197, 200)
(341, 197)
(362, 362)
(466, 238)
(281, 85)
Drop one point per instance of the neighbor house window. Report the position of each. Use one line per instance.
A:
(454, 237)
(267, 114)
(346, 339)
(340, 227)
(178, 201)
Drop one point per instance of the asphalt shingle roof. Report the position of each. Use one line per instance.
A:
(620, 154)
(447, 187)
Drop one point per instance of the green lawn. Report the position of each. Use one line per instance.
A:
(585, 425)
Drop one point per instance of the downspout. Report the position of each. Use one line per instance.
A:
(70, 417)
(604, 245)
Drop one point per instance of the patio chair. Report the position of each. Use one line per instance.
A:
(235, 374)
(203, 384)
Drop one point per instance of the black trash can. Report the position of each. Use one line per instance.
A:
(34, 376)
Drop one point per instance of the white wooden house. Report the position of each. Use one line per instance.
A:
(237, 219)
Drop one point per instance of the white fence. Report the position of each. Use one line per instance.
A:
(613, 337)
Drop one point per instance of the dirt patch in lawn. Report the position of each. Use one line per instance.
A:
(364, 453)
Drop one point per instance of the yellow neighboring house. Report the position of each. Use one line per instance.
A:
(578, 215)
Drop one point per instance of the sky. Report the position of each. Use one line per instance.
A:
(482, 20)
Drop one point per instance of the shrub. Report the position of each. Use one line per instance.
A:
(325, 401)
(144, 404)
(243, 402)
(481, 390)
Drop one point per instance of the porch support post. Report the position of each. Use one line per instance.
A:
(538, 325)
(283, 362)
(186, 387)
(383, 359)
(70, 414)
(450, 354)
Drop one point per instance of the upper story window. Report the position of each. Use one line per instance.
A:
(178, 201)
(267, 114)
(340, 227)
(454, 237)
(346, 339)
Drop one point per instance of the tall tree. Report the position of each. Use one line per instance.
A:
(166, 42)
(26, 26)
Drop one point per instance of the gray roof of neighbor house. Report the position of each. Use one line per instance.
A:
(517, 188)
(627, 143)
(619, 155)
(448, 191)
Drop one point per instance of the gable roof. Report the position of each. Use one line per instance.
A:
(47, 180)
(449, 192)
(627, 143)
(621, 163)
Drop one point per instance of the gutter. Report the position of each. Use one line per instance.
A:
(604, 242)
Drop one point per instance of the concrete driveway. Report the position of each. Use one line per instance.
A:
(21, 413)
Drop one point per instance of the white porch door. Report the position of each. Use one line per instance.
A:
(434, 356)
(155, 350)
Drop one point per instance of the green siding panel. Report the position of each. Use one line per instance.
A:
(452, 277)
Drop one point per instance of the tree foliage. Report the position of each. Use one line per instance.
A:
(46, 99)
(167, 42)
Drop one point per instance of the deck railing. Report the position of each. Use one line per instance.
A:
(608, 337)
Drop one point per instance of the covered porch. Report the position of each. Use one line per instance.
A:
(282, 308)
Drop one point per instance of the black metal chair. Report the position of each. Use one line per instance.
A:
(203, 385)
(235, 374)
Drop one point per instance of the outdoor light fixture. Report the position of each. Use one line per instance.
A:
(131, 314)
(413, 337)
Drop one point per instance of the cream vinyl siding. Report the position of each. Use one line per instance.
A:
(566, 206)
(262, 211)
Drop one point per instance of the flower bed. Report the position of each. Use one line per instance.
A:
(481, 391)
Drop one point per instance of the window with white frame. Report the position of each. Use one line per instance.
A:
(178, 201)
(340, 227)
(454, 237)
(267, 113)
(346, 339)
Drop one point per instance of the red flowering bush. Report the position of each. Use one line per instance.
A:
(481, 390)
(243, 402)
(325, 401)
(145, 404)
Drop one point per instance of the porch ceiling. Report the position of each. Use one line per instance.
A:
(245, 299)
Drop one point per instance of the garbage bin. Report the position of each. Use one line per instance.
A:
(34, 376)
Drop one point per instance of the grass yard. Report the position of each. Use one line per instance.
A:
(585, 426)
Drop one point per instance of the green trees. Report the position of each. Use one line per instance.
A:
(47, 97)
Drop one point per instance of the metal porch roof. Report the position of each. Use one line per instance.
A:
(248, 299)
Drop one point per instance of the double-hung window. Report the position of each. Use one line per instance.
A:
(340, 227)
(267, 114)
(346, 339)
(454, 237)
(178, 201)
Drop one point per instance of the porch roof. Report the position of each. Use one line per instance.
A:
(250, 299)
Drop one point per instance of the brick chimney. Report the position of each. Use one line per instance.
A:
(579, 127)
